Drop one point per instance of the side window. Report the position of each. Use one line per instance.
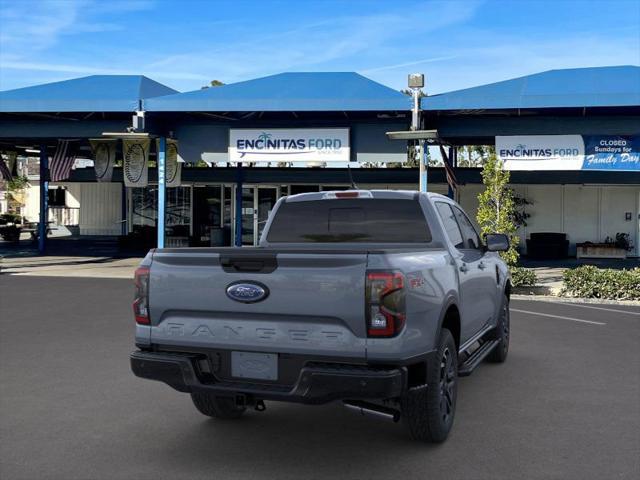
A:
(450, 224)
(471, 239)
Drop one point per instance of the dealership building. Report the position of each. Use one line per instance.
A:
(571, 139)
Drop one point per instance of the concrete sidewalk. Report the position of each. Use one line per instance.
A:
(67, 266)
(549, 276)
(549, 282)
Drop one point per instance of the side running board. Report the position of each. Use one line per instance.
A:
(465, 369)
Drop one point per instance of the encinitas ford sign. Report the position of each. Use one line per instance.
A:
(569, 152)
(289, 145)
(541, 152)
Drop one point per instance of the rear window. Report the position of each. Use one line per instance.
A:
(364, 220)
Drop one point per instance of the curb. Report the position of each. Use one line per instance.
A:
(556, 299)
(535, 290)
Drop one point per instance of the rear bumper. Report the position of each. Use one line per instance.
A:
(316, 384)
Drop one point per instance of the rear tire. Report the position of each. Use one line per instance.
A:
(215, 406)
(499, 353)
(429, 411)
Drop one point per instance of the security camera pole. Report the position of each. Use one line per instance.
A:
(416, 83)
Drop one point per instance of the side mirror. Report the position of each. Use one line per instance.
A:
(497, 242)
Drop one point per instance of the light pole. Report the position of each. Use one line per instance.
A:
(416, 83)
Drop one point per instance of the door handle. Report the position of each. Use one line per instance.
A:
(482, 266)
(464, 268)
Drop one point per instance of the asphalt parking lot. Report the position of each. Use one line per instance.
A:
(565, 405)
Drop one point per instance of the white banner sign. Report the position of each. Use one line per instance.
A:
(541, 152)
(136, 162)
(289, 145)
(104, 157)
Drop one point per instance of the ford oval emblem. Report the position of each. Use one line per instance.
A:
(247, 292)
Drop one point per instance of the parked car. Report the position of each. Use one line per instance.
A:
(378, 299)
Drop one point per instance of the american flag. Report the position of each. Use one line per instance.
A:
(448, 169)
(4, 170)
(62, 161)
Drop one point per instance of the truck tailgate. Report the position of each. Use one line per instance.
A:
(315, 301)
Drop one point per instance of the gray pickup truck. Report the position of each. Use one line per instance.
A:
(378, 299)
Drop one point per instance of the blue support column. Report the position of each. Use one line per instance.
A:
(424, 162)
(162, 190)
(238, 209)
(44, 199)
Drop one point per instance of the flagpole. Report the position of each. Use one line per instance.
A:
(416, 82)
(44, 199)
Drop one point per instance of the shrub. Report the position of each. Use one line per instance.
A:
(522, 277)
(592, 282)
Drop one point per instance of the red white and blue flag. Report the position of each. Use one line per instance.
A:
(62, 160)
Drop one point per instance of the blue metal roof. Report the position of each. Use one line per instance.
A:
(577, 87)
(96, 93)
(306, 91)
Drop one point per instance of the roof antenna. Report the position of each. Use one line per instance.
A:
(353, 184)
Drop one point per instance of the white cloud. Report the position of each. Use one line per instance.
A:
(31, 27)
(356, 42)
(89, 70)
(435, 37)
(314, 46)
(408, 64)
(500, 57)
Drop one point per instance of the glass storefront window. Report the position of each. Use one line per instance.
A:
(228, 206)
(144, 207)
(178, 219)
(178, 206)
(144, 213)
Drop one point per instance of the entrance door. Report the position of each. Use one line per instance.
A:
(257, 203)
(207, 216)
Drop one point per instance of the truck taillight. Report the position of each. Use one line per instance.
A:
(141, 298)
(385, 303)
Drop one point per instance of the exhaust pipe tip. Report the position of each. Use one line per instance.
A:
(373, 410)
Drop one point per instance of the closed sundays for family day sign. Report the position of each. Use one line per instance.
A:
(289, 145)
(569, 152)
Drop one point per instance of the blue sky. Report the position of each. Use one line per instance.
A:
(184, 44)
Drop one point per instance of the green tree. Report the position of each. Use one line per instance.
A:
(497, 208)
(15, 193)
(213, 83)
(474, 155)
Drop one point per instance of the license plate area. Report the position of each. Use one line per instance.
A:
(254, 365)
